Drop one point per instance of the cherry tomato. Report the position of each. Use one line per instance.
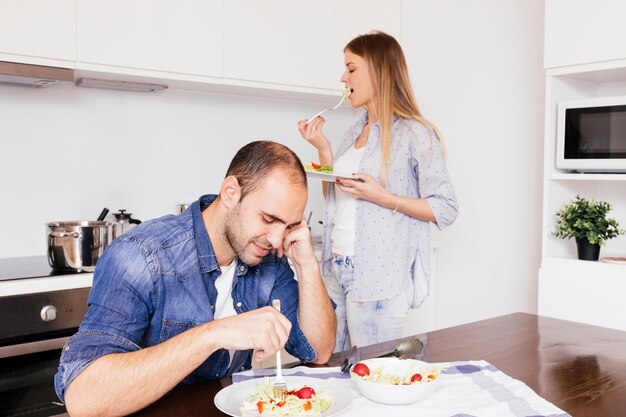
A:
(416, 377)
(305, 393)
(361, 369)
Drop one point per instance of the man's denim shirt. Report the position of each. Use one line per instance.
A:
(158, 280)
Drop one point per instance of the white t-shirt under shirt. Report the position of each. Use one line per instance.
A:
(224, 303)
(344, 231)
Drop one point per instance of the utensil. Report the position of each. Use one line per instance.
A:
(280, 387)
(103, 214)
(346, 94)
(404, 350)
(351, 359)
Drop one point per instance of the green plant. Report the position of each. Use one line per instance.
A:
(582, 218)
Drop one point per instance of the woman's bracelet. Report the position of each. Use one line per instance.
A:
(397, 203)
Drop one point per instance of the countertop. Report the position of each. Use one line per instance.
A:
(32, 274)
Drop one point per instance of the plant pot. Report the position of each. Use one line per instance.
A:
(587, 251)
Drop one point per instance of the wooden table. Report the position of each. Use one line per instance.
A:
(579, 368)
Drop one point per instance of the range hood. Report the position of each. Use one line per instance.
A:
(33, 75)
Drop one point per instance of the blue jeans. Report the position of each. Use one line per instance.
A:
(363, 323)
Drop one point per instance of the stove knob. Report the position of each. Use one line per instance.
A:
(48, 313)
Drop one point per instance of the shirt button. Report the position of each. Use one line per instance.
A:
(212, 307)
(241, 268)
(243, 368)
(67, 348)
(239, 304)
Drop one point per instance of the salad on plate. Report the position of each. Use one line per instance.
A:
(299, 402)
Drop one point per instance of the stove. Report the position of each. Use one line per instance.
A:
(40, 308)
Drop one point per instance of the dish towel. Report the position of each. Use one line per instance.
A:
(467, 389)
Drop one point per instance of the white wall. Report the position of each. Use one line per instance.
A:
(67, 152)
(476, 69)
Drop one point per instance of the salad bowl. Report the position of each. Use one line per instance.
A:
(395, 381)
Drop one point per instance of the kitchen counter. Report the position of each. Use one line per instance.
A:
(32, 274)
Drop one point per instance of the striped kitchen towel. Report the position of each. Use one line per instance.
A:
(467, 389)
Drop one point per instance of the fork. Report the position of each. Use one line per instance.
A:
(346, 94)
(280, 387)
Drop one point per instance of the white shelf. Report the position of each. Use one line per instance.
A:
(576, 176)
(569, 264)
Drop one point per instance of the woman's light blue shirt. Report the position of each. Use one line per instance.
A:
(392, 250)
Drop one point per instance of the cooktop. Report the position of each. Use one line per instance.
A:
(29, 267)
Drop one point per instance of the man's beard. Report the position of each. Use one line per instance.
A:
(236, 237)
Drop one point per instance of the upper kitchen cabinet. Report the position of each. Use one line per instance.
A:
(280, 44)
(182, 37)
(38, 32)
(357, 17)
(584, 31)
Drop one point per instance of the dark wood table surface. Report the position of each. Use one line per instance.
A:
(579, 368)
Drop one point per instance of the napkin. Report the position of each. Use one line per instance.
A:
(467, 389)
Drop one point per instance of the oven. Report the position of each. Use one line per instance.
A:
(34, 325)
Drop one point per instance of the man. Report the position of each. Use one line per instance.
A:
(188, 297)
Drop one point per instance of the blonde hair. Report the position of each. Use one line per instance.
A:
(392, 92)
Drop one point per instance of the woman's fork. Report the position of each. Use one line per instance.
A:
(280, 387)
(346, 94)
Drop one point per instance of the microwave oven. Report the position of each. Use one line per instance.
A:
(591, 135)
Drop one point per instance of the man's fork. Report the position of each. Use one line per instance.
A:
(346, 94)
(280, 387)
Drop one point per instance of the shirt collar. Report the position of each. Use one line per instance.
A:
(206, 254)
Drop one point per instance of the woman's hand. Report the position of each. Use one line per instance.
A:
(313, 134)
(365, 187)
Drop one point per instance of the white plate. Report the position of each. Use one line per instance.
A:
(327, 176)
(230, 399)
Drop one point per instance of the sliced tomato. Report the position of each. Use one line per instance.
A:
(315, 166)
(305, 393)
(416, 378)
(361, 369)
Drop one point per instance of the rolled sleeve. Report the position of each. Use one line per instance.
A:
(118, 314)
(435, 185)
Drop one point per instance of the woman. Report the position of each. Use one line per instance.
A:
(376, 244)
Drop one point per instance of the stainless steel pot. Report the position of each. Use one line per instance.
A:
(77, 245)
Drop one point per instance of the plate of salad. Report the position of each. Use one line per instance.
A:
(324, 172)
(306, 397)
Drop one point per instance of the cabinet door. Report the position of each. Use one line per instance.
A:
(280, 42)
(178, 36)
(583, 31)
(358, 17)
(38, 28)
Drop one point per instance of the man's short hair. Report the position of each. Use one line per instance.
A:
(256, 160)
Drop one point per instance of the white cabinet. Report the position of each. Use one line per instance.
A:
(571, 289)
(178, 37)
(38, 31)
(584, 31)
(579, 291)
(357, 17)
(586, 40)
(280, 43)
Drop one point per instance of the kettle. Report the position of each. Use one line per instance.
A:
(123, 222)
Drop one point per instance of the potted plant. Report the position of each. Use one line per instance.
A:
(587, 222)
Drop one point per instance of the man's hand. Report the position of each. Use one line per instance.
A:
(298, 246)
(265, 330)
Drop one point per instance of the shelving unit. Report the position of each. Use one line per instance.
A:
(589, 292)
